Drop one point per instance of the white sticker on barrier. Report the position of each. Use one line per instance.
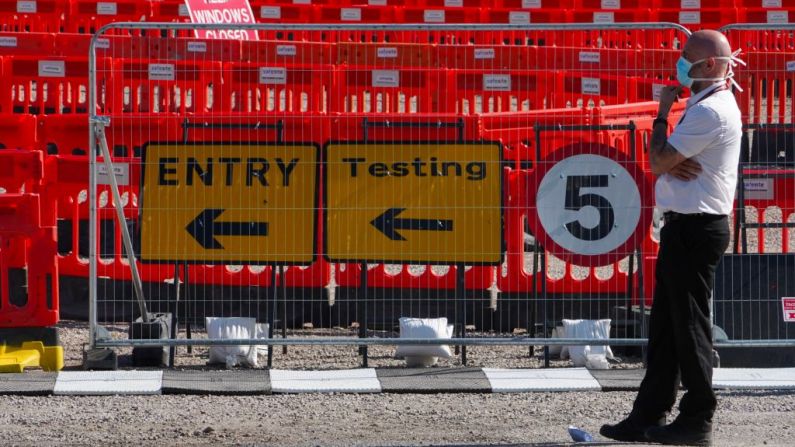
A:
(386, 78)
(590, 57)
(102, 43)
(8, 42)
(197, 47)
(453, 3)
(286, 50)
(771, 3)
(788, 305)
(496, 82)
(603, 17)
(519, 17)
(273, 75)
(182, 11)
(52, 69)
(107, 8)
(120, 170)
(484, 53)
(26, 7)
(387, 52)
(376, 2)
(691, 4)
(531, 4)
(302, 2)
(270, 12)
(591, 86)
(434, 16)
(611, 4)
(790, 65)
(655, 91)
(777, 17)
(759, 189)
(689, 17)
(351, 14)
(161, 72)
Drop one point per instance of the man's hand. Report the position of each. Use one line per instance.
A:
(668, 96)
(686, 171)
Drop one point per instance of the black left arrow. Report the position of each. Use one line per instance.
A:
(204, 228)
(389, 222)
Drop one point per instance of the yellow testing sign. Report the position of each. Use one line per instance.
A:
(434, 203)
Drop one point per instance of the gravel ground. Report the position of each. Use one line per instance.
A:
(541, 419)
(74, 336)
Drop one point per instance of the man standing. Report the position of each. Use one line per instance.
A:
(697, 170)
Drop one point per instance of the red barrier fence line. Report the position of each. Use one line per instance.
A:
(51, 85)
(41, 16)
(28, 44)
(27, 230)
(88, 16)
(18, 131)
(268, 86)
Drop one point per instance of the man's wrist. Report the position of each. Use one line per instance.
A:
(660, 120)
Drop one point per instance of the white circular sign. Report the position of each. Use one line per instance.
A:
(589, 204)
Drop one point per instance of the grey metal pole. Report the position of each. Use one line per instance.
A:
(99, 130)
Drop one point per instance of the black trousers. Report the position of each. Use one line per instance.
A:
(680, 331)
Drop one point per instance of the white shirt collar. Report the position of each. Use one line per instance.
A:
(697, 97)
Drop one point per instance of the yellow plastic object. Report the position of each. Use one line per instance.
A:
(32, 354)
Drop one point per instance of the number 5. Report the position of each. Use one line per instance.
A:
(575, 201)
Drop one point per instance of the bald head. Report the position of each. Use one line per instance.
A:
(707, 43)
(705, 46)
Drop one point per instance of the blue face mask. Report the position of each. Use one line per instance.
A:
(683, 67)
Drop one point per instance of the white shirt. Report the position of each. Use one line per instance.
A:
(710, 133)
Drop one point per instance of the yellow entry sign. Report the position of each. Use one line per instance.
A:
(229, 203)
(414, 203)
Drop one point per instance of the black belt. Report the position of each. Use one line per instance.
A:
(670, 216)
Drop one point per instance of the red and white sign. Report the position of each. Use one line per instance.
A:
(222, 11)
(589, 204)
(789, 308)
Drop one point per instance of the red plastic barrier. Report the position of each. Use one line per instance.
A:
(521, 17)
(353, 14)
(517, 132)
(17, 131)
(487, 91)
(596, 15)
(51, 85)
(266, 12)
(386, 91)
(487, 57)
(140, 86)
(39, 16)
(697, 19)
(385, 55)
(26, 44)
(755, 14)
(266, 87)
(439, 15)
(88, 16)
(27, 234)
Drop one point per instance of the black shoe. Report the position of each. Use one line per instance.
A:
(629, 430)
(678, 433)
